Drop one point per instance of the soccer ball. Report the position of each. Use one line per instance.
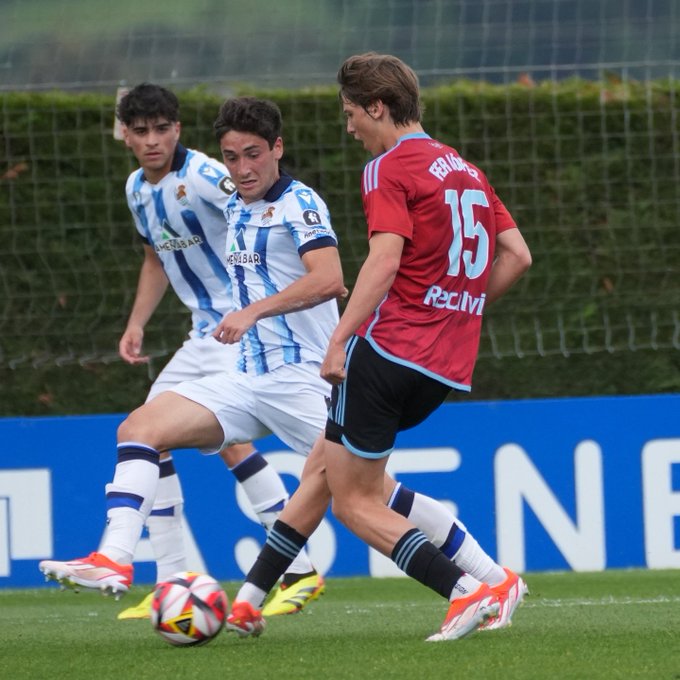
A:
(188, 608)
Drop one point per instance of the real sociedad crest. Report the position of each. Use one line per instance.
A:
(181, 194)
(267, 215)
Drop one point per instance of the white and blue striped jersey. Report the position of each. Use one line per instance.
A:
(265, 242)
(182, 218)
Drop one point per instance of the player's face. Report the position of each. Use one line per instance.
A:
(253, 166)
(153, 143)
(362, 127)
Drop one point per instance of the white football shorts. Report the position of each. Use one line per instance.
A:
(195, 359)
(289, 401)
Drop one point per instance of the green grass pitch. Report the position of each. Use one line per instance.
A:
(614, 624)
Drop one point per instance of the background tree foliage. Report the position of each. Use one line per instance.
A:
(588, 170)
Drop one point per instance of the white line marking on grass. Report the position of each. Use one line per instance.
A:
(599, 602)
(57, 616)
(529, 602)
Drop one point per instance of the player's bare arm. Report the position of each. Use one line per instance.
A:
(374, 280)
(323, 281)
(511, 262)
(151, 287)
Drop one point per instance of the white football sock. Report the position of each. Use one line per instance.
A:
(129, 498)
(433, 518)
(473, 560)
(165, 534)
(437, 522)
(251, 593)
(267, 494)
(164, 524)
(465, 585)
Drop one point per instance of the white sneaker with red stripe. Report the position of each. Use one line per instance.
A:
(95, 571)
(510, 594)
(467, 614)
(245, 620)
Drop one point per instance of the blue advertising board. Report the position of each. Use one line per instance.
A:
(582, 484)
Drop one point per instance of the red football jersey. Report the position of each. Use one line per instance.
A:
(448, 213)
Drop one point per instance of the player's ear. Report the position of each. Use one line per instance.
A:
(126, 134)
(278, 148)
(375, 109)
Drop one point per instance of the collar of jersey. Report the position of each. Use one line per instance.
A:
(405, 138)
(276, 190)
(178, 160)
(413, 135)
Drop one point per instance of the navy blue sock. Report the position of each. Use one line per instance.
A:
(421, 560)
(281, 548)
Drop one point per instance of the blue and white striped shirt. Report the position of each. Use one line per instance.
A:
(265, 242)
(182, 218)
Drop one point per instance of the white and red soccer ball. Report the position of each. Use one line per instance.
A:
(188, 608)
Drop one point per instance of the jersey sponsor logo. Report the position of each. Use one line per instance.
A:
(227, 185)
(313, 233)
(456, 302)
(177, 244)
(311, 217)
(243, 257)
(449, 162)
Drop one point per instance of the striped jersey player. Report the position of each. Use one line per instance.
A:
(265, 244)
(182, 218)
(177, 198)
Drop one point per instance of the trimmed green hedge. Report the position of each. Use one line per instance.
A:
(590, 171)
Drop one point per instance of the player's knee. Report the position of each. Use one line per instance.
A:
(138, 428)
(235, 454)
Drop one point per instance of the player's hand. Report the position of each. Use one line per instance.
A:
(130, 346)
(234, 325)
(333, 366)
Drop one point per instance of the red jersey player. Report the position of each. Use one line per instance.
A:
(441, 247)
(424, 193)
